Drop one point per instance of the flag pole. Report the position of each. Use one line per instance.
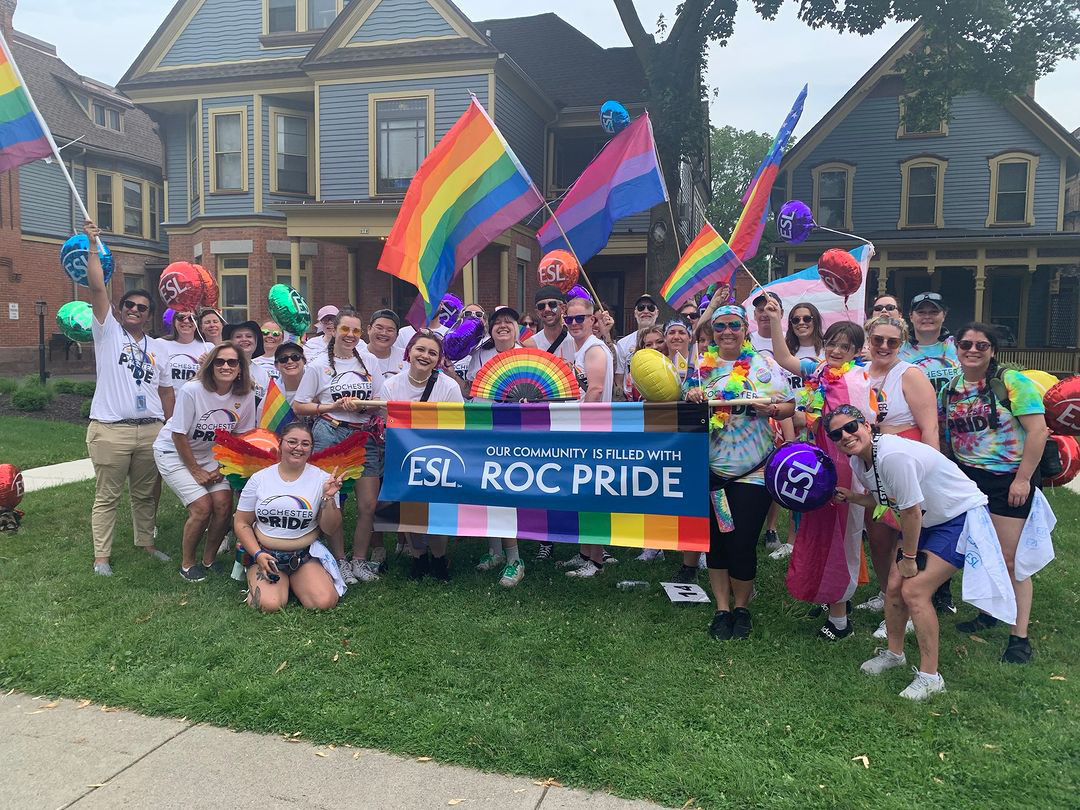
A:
(45, 129)
(581, 264)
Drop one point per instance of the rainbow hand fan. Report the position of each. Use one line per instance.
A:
(525, 375)
(239, 459)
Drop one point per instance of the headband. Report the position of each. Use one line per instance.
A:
(729, 309)
(846, 410)
(675, 322)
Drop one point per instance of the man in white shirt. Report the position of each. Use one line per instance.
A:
(126, 414)
(553, 337)
(762, 339)
(645, 313)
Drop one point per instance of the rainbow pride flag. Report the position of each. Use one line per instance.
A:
(468, 190)
(707, 260)
(622, 180)
(22, 137)
(746, 236)
(562, 444)
(276, 412)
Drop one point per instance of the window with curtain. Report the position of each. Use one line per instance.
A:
(320, 14)
(292, 154)
(233, 288)
(280, 16)
(401, 127)
(228, 152)
(922, 195)
(104, 201)
(133, 208)
(1012, 188)
(832, 199)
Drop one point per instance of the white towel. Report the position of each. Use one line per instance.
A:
(323, 555)
(986, 582)
(1035, 549)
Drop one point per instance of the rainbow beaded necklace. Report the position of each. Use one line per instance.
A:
(735, 387)
(811, 397)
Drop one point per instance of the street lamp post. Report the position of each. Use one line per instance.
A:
(40, 307)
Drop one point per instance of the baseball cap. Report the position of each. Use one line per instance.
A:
(759, 300)
(644, 297)
(329, 309)
(548, 292)
(928, 298)
(513, 313)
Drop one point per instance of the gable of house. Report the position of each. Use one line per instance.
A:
(397, 20)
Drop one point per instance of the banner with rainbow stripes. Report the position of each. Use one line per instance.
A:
(620, 474)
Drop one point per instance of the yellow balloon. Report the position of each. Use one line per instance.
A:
(1042, 380)
(655, 376)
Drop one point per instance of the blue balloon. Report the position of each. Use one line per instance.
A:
(613, 117)
(73, 259)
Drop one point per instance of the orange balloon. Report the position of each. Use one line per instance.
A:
(559, 268)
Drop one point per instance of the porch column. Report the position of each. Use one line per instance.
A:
(980, 282)
(883, 272)
(504, 276)
(468, 282)
(294, 263)
(351, 278)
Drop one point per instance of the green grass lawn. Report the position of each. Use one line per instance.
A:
(573, 680)
(29, 442)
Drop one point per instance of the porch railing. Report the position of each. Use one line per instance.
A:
(1056, 361)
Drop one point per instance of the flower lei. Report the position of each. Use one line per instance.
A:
(811, 397)
(734, 387)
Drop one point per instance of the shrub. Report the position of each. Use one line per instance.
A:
(84, 409)
(65, 386)
(85, 389)
(8, 385)
(31, 398)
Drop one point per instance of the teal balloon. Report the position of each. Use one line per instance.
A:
(74, 319)
(73, 259)
(288, 309)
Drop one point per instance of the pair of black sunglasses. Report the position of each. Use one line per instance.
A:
(851, 427)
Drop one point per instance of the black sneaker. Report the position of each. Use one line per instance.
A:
(214, 568)
(544, 552)
(421, 566)
(741, 625)
(830, 632)
(607, 559)
(720, 627)
(982, 621)
(686, 575)
(440, 569)
(817, 610)
(942, 598)
(772, 540)
(1018, 651)
(194, 574)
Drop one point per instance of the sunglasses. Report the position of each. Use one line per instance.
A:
(692, 316)
(980, 345)
(576, 319)
(231, 362)
(529, 324)
(184, 319)
(272, 332)
(542, 305)
(851, 427)
(355, 331)
(646, 307)
(474, 315)
(290, 358)
(133, 305)
(802, 319)
(879, 341)
(885, 307)
(721, 326)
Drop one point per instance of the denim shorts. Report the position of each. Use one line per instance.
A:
(942, 540)
(326, 435)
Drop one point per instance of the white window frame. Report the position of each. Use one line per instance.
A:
(220, 112)
(275, 114)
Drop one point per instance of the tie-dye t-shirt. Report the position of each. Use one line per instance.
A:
(973, 440)
(747, 437)
(937, 361)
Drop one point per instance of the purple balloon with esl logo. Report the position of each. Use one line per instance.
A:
(795, 222)
(167, 319)
(800, 476)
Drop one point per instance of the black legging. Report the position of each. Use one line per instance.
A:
(736, 551)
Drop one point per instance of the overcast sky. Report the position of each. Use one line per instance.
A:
(757, 76)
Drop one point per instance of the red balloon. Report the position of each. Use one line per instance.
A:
(840, 271)
(11, 486)
(1070, 461)
(181, 286)
(262, 438)
(210, 291)
(1063, 407)
(559, 268)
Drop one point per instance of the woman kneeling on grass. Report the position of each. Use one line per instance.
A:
(937, 506)
(281, 514)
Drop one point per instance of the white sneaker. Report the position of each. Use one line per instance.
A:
(650, 555)
(512, 574)
(783, 552)
(365, 571)
(701, 564)
(489, 562)
(574, 562)
(608, 559)
(881, 633)
(587, 569)
(923, 686)
(346, 569)
(882, 660)
(877, 604)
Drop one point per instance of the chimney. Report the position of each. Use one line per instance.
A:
(7, 13)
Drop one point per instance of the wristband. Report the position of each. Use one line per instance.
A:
(909, 556)
(255, 556)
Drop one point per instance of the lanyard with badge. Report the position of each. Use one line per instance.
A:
(139, 368)
(882, 498)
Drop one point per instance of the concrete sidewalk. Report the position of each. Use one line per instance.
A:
(54, 475)
(61, 753)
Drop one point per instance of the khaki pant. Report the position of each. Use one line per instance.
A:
(123, 453)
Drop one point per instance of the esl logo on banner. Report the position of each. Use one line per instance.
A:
(433, 465)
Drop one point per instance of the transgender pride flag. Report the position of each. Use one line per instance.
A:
(807, 285)
(622, 180)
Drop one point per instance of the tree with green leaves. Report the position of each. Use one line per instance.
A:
(997, 47)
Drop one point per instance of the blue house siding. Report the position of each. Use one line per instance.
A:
(523, 129)
(403, 19)
(233, 203)
(343, 126)
(224, 31)
(979, 128)
(45, 200)
(174, 131)
(268, 144)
